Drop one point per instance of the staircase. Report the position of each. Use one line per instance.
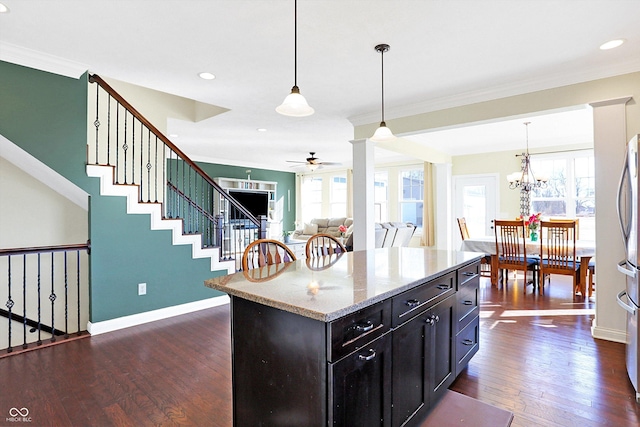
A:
(135, 160)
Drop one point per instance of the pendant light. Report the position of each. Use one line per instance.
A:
(383, 133)
(294, 104)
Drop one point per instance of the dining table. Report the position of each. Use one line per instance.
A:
(585, 250)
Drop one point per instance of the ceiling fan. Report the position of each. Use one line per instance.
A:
(313, 162)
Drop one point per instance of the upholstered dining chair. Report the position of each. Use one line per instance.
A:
(558, 251)
(485, 262)
(322, 244)
(262, 252)
(512, 252)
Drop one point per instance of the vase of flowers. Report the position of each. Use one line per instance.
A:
(343, 232)
(533, 223)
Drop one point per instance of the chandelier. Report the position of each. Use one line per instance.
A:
(525, 179)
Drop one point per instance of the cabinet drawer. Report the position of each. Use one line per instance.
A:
(351, 332)
(468, 306)
(413, 302)
(468, 273)
(467, 344)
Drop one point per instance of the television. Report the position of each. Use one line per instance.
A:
(255, 202)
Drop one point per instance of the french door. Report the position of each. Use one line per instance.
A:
(475, 199)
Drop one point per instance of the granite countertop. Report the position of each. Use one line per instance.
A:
(328, 288)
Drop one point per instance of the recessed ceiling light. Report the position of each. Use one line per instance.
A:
(261, 130)
(173, 135)
(3, 8)
(611, 44)
(207, 76)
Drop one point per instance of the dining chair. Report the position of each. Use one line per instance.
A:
(464, 231)
(558, 251)
(322, 244)
(262, 252)
(576, 220)
(512, 252)
(485, 262)
(592, 272)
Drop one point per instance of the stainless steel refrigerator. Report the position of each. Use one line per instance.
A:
(629, 299)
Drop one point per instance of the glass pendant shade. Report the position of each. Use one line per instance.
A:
(382, 134)
(295, 105)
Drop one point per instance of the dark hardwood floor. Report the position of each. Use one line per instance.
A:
(537, 359)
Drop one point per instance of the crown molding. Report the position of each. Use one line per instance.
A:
(41, 61)
(499, 91)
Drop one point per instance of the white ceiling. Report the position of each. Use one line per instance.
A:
(443, 53)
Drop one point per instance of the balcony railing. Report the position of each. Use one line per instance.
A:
(45, 293)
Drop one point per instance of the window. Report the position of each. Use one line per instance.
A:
(570, 190)
(312, 195)
(339, 196)
(411, 202)
(381, 196)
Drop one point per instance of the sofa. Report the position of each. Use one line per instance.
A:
(324, 225)
(387, 234)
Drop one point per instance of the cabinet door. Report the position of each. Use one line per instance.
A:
(442, 350)
(361, 382)
(410, 369)
(423, 362)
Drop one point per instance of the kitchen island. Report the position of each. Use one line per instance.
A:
(359, 339)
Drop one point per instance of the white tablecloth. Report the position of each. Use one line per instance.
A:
(487, 244)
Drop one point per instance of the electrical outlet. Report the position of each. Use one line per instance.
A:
(142, 288)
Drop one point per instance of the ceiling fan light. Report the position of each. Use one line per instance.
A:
(382, 134)
(295, 105)
(312, 166)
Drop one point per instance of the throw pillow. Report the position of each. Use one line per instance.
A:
(310, 229)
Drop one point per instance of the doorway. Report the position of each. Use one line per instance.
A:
(475, 199)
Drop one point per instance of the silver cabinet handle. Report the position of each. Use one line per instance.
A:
(370, 356)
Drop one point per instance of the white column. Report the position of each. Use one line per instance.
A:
(363, 194)
(444, 217)
(609, 144)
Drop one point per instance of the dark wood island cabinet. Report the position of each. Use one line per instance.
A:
(375, 339)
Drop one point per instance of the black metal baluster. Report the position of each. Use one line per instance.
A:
(39, 342)
(117, 143)
(149, 167)
(155, 178)
(66, 298)
(109, 130)
(189, 212)
(125, 147)
(52, 298)
(78, 284)
(133, 149)
(96, 123)
(24, 301)
(9, 303)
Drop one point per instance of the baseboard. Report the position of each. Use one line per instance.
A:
(614, 335)
(151, 316)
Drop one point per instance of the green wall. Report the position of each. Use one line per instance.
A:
(46, 115)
